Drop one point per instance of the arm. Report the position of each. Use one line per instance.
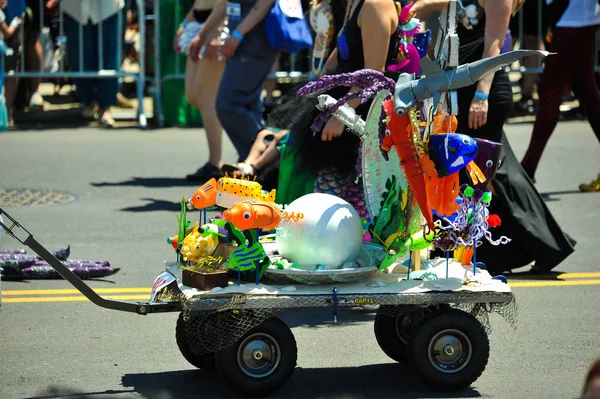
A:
(331, 64)
(189, 17)
(9, 30)
(422, 9)
(259, 11)
(214, 21)
(495, 30)
(377, 20)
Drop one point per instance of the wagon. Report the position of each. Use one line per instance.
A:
(438, 327)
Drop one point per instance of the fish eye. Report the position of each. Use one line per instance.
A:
(466, 141)
(198, 197)
(246, 215)
(489, 163)
(388, 132)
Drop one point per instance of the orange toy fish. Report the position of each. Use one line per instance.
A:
(415, 164)
(204, 196)
(247, 215)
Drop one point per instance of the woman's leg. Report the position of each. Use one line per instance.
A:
(584, 80)
(259, 146)
(202, 81)
(108, 88)
(558, 72)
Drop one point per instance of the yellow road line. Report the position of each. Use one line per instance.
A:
(74, 291)
(70, 298)
(579, 275)
(551, 283)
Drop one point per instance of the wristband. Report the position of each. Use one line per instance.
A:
(481, 95)
(237, 35)
(14, 23)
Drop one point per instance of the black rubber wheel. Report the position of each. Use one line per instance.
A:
(450, 349)
(393, 332)
(205, 362)
(260, 362)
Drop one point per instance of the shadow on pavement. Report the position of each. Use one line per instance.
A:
(56, 392)
(390, 380)
(153, 182)
(154, 205)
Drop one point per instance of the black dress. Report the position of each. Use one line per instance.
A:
(526, 219)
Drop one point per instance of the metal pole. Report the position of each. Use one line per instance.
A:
(157, 78)
(101, 45)
(61, 25)
(142, 74)
(80, 47)
(176, 24)
(41, 28)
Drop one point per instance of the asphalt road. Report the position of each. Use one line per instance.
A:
(129, 182)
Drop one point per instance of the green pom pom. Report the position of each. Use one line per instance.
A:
(469, 191)
(487, 196)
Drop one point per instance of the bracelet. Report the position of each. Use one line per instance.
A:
(481, 95)
(237, 35)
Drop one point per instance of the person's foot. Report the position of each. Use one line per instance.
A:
(591, 187)
(107, 120)
(36, 101)
(525, 106)
(89, 111)
(205, 173)
(530, 173)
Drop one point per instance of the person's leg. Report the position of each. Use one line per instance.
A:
(558, 71)
(107, 89)
(587, 92)
(201, 86)
(11, 63)
(239, 104)
(33, 51)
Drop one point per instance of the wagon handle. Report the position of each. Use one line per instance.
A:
(22, 235)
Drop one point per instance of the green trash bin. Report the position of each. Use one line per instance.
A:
(176, 110)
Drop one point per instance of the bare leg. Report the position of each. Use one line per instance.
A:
(10, 93)
(202, 84)
(33, 47)
(530, 42)
(270, 155)
(258, 147)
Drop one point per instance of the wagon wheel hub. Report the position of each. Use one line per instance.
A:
(450, 351)
(259, 355)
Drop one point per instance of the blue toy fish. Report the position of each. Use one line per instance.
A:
(451, 152)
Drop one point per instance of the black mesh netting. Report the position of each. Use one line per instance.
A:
(214, 323)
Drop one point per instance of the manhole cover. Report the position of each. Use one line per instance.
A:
(26, 197)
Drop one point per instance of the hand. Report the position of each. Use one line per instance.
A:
(333, 128)
(52, 3)
(17, 21)
(195, 47)
(478, 113)
(231, 44)
(213, 51)
(176, 40)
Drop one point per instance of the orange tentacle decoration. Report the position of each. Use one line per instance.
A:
(415, 164)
